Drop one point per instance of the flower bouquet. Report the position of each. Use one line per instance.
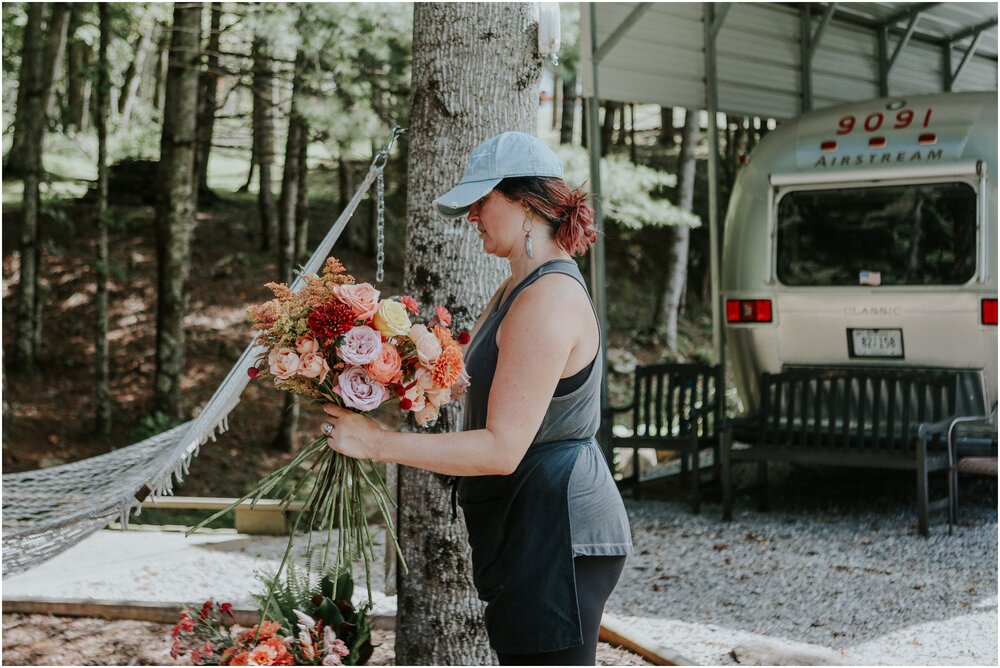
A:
(337, 341)
(310, 622)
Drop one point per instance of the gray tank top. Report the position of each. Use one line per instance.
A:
(598, 522)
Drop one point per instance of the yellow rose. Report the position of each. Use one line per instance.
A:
(391, 319)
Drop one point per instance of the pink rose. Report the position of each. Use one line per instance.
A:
(284, 362)
(358, 390)
(386, 367)
(306, 344)
(428, 414)
(313, 365)
(361, 345)
(427, 344)
(362, 298)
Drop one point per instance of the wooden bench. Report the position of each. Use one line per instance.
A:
(846, 417)
(674, 407)
(266, 517)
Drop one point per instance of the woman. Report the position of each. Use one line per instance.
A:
(547, 526)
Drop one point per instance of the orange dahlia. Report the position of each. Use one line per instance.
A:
(448, 367)
(443, 335)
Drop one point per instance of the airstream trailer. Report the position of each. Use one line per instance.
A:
(866, 235)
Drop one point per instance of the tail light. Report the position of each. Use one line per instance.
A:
(758, 310)
(989, 312)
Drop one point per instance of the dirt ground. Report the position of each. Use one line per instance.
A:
(40, 640)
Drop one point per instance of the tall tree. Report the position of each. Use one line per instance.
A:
(29, 156)
(102, 392)
(568, 110)
(142, 45)
(667, 127)
(287, 220)
(207, 104)
(77, 81)
(678, 264)
(263, 136)
(302, 199)
(46, 53)
(475, 74)
(175, 207)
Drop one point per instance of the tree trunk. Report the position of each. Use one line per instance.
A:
(102, 392)
(175, 209)
(263, 136)
(77, 83)
(356, 233)
(608, 125)
(486, 54)
(556, 109)
(207, 103)
(245, 188)
(677, 273)
(28, 158)
(133, 74)
(632, 150)
(302, 199)
(667, 127)
(287, 435)
(45, 56)
(162, 66)
(55, 51)
(568, 110)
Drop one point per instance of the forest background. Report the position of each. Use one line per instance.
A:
(291, 103)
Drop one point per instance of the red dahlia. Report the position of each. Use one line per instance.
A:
(330, 320)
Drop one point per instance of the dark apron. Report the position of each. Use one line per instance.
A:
(522, 551)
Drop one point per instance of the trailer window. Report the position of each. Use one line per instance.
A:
(890, 235)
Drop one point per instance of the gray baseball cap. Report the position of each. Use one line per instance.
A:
(506, 155)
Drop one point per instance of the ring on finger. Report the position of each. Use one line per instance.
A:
(327, 428)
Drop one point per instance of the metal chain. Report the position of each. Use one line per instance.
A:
(380, 228)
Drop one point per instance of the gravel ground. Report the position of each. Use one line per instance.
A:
(836, 563)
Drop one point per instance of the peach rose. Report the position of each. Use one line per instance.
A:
(362, 298)
(438, 398)
(306, 344)
(313, 365)
(386, 367)
(429, 413)
(428, 346)
(284, 362)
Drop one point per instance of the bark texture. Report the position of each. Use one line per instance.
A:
(102, 390)
(475, 74)
(28, 158)
(674, 290)
(207, 103)
(175, 208)
(77, 83)
(263, 137)
(45, 49)
(286, 437)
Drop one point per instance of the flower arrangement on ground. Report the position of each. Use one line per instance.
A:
(309, 622)
(338, 341)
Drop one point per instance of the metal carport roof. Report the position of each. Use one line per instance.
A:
(774, 60)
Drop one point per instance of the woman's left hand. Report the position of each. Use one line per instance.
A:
(353, 434)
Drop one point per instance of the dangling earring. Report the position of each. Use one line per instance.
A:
(527, 238)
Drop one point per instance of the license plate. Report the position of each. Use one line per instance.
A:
(875, 342)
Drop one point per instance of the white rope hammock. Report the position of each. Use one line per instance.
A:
(49, 510)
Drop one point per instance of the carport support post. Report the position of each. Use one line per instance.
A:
(597, 285)
(713, 22)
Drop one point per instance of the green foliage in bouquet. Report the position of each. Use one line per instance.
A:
(326, 602)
